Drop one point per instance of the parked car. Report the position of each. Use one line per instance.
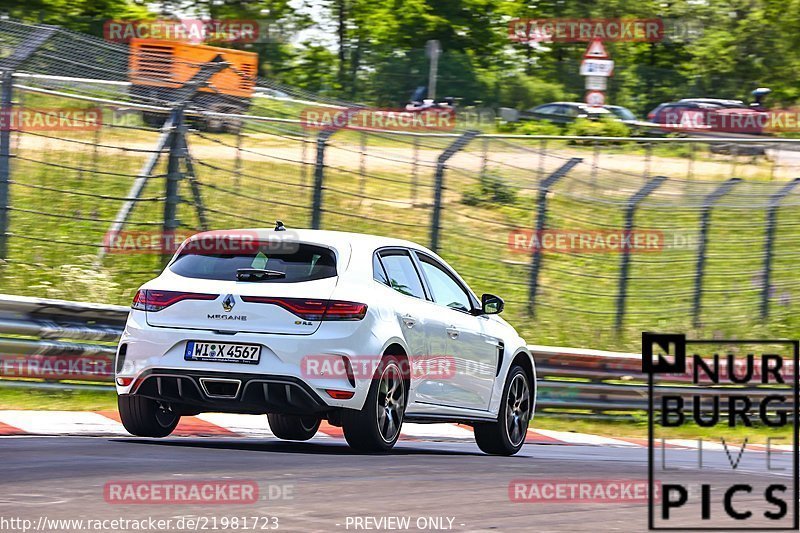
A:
(565, 112)
(231, 326)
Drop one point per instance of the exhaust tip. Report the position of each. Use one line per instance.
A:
(221, 388)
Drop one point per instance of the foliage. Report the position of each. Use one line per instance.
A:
(489, 190)
(599, 128)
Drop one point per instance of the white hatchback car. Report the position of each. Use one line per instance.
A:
(363, 331)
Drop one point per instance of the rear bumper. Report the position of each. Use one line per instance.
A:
(191, 392)
(149, 349)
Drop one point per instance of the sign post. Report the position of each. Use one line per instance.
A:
(596, 67)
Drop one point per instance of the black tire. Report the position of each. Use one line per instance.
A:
(376, 427)
(144, 417)
(292, 427)
(507, 435)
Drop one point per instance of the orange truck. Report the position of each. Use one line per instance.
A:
(159, 68)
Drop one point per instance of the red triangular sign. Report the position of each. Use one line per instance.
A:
(596, 50)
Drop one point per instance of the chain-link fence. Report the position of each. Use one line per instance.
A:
(589, 240)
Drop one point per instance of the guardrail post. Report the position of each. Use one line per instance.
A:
(705, 222)
(448, 152)
(319, 177)
(772, 222)
(6, 109)
(541, 222)
(630, 211)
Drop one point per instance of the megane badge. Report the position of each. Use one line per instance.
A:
(228, 303)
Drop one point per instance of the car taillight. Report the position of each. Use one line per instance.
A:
(152, 300)
(313, 309)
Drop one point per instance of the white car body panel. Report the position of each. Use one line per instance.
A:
(156, 341)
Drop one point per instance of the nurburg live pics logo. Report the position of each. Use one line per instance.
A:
(722, 482)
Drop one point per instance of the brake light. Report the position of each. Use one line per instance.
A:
(313, 309)
(150, 300)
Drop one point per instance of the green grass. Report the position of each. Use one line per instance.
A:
(57, 400)
(55, 227)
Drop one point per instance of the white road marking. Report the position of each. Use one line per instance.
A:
(584, 438)
(62, 422)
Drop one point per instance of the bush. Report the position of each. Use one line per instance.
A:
(598, 128)
(523, 92)
(530, 127)
(490, 190)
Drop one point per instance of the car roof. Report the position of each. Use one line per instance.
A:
(340, 240)
(583, 105)
(718, 101)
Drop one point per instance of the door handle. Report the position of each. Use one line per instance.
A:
(409, 321)
(452, 331)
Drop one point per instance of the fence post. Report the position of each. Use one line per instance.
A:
(705, 222)
(448, 152)
(541, 222)
(6, 104)
(319, 177)
(7, 66)
(630, 211)
(772, 222)
(171, 198)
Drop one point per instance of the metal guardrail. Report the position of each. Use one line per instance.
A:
(43, 345)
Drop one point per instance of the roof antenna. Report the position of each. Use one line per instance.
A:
(279, 226)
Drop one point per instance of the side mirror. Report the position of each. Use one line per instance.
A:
(491, 304)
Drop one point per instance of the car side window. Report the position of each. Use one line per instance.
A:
(546, 109)
(570, 111)
(378, 273)
(403, 276)
(446, 290)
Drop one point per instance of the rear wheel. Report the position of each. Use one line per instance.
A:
(293, 427)
(376, 427)
(507, 435)
(144, 417)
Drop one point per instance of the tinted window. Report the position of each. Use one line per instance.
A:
(446, 290)
(403, 276)
(300, 262)
(377, 271)
(546, 109)
(570, 111)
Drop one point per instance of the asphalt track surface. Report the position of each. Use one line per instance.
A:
(64, 478)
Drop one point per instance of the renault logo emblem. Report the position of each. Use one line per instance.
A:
(228, 303)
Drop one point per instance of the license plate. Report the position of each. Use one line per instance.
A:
(222, 352)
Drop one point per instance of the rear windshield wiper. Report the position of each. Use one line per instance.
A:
(258, 274)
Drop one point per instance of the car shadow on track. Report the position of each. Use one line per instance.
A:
(314, 448)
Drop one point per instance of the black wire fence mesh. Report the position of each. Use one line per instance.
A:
(708, 254)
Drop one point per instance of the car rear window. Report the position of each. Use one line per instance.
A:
(300, 262)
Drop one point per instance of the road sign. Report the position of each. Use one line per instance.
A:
(596, 83)
(595, 98)
(596, 50)
(597, 67)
